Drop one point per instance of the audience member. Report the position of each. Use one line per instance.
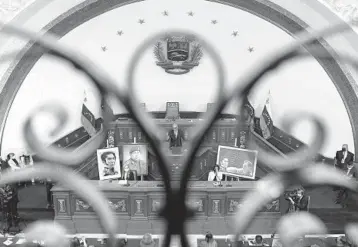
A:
(300, 201)
(209, 241)
(258, 241)
(49, 186)
(75, 242)
(343, 158)
(342, 241)
(147, 241)
(343, 193)
(4, 165)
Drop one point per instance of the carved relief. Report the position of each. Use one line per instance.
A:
(139, 207)
(242, 139)
(119, 206)
(9, 9)
(121, 135)
(234, 205)
(216, 206)
(223, 135)
(156, 205)
(80, 205)
(214, 135)
(110, 138)
(232, 136)
(130, 135)
(198, 205)
(61, 205)
(273, 206)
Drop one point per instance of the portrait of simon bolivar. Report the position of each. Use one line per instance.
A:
(108, 163)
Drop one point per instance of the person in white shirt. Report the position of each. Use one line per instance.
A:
(13, 163)
(215, 174)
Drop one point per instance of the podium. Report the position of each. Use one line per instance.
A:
(176, 166)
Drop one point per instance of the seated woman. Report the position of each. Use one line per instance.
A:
(215, 174)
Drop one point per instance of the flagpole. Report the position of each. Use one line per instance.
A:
(84, 96)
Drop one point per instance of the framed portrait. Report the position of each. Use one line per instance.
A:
(135, 158)
(108, 163)
(237, 162)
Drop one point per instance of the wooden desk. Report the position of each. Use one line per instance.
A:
(136, 208)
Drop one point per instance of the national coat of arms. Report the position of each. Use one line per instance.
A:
(178, 54)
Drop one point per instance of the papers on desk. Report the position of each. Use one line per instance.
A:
(123, 182)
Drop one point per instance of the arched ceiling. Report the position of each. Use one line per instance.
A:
(90, 9)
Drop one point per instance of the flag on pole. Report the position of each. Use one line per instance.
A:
(249, 107)
(266, 123)
(88, 120)
(105, 105)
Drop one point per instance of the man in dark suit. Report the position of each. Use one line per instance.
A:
(343, 194)
(301, 200)
(175, 137)
(10, 200)
(343, 158)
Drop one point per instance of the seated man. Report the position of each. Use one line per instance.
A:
(258, 241)
(147, 241)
